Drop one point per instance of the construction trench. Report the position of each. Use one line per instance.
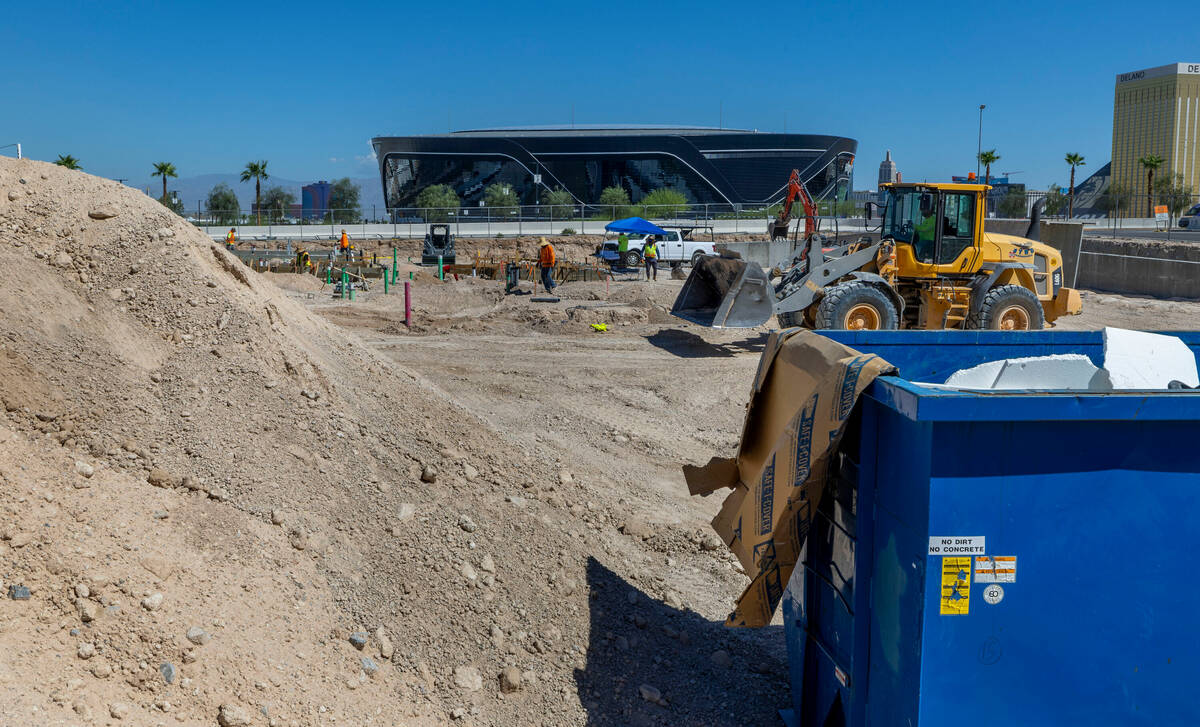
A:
(231, 496)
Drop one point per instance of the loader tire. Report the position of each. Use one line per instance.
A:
(856, 306)
(1009, 308)
(790, 320)
(631, 259)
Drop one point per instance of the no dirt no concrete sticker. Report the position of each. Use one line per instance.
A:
(959, 545)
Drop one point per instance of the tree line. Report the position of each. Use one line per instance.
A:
(222, 204)
(1171, 191)
(440, 201)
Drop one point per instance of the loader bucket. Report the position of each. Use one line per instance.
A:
(725, 292)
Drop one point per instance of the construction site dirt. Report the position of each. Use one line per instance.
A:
(235, 499)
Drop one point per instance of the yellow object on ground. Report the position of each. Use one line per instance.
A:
(600, 327)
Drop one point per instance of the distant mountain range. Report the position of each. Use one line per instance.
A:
(194, 190)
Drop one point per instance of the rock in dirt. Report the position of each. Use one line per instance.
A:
(86, 650)
(231, 715)
(18, 592)
(118, 710)
(651, 694)
(385, 643)
(510, 679)
(369, 666)
(429, 473)
(298, 538)
(85, 469)
(358, 639)
(162, 478)
(636, 528)
(198, 636)
(467, 524)
(488, 564)
(103, 212)
(721, 658)
(152, 602)
(467, 678)
(168, 672)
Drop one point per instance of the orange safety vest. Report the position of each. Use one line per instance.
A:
(230, 237)
(546, 256)
(345, 241)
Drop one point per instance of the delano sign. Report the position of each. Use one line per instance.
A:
(1171, 69)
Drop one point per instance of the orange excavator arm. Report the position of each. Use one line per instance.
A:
(795, 189)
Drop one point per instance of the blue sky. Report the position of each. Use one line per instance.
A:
(305, 85)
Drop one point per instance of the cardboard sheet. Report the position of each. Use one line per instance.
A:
(804, 391)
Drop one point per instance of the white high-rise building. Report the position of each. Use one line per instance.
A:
(887, 170)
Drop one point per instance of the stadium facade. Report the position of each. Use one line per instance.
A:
(713, 166)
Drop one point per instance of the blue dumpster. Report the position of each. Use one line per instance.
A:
(1001, 558)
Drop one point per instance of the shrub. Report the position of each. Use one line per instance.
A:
(501, 196)
(561, 203)
(567, 231)
(439, 200)
(663, 202)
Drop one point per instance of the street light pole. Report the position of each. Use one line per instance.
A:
(979, 143)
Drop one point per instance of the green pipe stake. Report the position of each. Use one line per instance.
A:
(395, 266)
(345, 284)
(385, 282)
(328, 272)
(441, 272)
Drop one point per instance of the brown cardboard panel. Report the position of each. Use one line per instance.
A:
(804, 392)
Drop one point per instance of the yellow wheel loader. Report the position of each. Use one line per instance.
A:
(933, 267)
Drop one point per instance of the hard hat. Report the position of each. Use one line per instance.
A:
(543, 243)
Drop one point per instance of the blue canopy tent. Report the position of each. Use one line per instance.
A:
(631, 226)
(635, 226)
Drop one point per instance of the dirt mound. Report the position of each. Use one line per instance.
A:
(299, 488)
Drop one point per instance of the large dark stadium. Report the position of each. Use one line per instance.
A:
(709, 166)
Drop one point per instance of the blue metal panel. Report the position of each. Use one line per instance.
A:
(1097, 496)
(1099, 627)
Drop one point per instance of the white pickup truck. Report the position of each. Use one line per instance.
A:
(672, 248)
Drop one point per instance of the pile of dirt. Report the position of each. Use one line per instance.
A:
(227, 509)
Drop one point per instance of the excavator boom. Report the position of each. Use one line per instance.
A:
(778, 228)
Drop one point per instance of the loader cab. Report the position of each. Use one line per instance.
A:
(936, 227)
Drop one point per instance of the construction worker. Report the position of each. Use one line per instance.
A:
(622, 242)
(546, 261)
(650, 255)
(345, 245)
(924, 231)
(230, 239)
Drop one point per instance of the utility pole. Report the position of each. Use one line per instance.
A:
(979, 142)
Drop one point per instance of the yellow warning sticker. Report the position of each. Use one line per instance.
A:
(956, 586)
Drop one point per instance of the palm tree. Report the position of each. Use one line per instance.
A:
(1151, 163)
(164, 170)
(1075, 160)
(987, 159)
(258, 172)
(68, 161)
